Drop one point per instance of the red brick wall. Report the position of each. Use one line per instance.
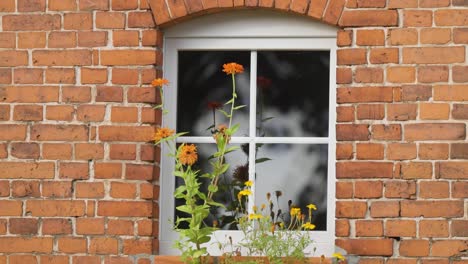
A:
(76, 165)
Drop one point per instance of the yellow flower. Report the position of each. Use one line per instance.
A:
(159, 82)
(338, 256)
(188, 154)
(248, 183)
(163, 132)
(244, 193)
(295, 211)
(254, 208)
(232, 68)
(312, 206)
(281, 225)
(263, 207)
(308, 226)
(255, 216)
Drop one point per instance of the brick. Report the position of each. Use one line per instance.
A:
(89, 190)
(364, 94)
(344, 190)
(120, 227)
(370, 111)
(25, 150)
(31, 5)
(333, 12)
(126, 133)
(143, 95)
(20, 259)
(434, 111)
(151, 116)
(435, 190)
(400, 228)
(10, 208)
(139, 172)
(345, 113)
(401, 112)
(152, 38)
(54, 259)
(60, 112)
(351, 132)
(386, 132)
(417, 18)
(124, 114)
(55, 208)
(435, 131)
(23, 226)
(351, 56)
(433, 55)
(433, 151)
(384, 55)
(364, 170)
(448, 248)
(4, 189)
(369, 151)
(123, 190)
(400, 189)
(374, 37)
(385, 209)
(401, 151)
(26, 170)
(12, 132)
(94, 4)
(344, 38)
(351, 209)
(124, 38)
(344, 151)
(60, 75)
(140, 20)
(414, 248)
(129, 209)
(56, 151)
(452, 170)
(13, 58)
(145, 228)
(148, 191)
(129, 57)
(124, 4)
(459, 151)
(7, 40)
(59, 132)
(27, 113)
(459, 228)
(369, 228)
(459, 74)
(400, 74)
(434, 3)
(90, 226)
(91, 113)
(5, 76)
(460, 35)
(360, 18)
(7, 6)
(26, 245)
(432, 74)
(86, 259)
(93, 76)
(62, 5)
(367, 247)
(88, 151)
(4, 113)
(416, 92)
(403, 36)
(72, 245)
(62, 40)
(344, 75)
(57, 189)
(25, 189)
(76, 94)
(31, 22)
(402, 3)
(54, 226)
(454, 17)
(109, 94)
(122, 151)
(368, 189)
(92, 38)
(103, 245)
(108, 170)
(435, 35)
(124, 76)
(433, 228)
(31, 40)
(134, 246)
(416, 170)
(61, 57)
(78, 21)
(426, 209)
(342, 228)
(110, 20)
(460, 111)
(368, 75)
(450, 93)
(73, 170)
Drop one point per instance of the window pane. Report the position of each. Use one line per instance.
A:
(299, 172)
(202, 82)
(293, 93)
(229, 183)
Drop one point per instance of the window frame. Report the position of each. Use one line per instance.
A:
(217, 32)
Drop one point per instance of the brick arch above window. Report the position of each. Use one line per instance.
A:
(167, 12)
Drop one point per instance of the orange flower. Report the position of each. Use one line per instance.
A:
(214, 105)
(188, 154)
(159, 82)
(163, 132)
(233, 68)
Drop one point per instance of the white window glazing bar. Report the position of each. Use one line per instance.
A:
(263, 140)
(252, 124)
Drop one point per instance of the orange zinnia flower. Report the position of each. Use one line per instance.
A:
(233, 68)
(163, 132)
(159, 82)
(188, 154)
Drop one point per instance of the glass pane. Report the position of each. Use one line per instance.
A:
(202, 85)
(299, 173)
(230, 183)
(292, 93)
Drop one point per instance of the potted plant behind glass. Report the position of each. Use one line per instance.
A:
(267, 231)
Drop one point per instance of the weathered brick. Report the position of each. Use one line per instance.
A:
(435, 131)
(426, 209)
(416, 170)
(26, 245)
(56, 226)
(126, 133)
(364, 170)
(10, 58)
(433, 228)
(129, 57)
(130, 209)
(27, 170)
(385, 209)
(23, 226)
(448, 248)
(59, 132)
(452, 170)
(414, 248)
(10, 208)
(448, 17)
(460, 111)
(28, 22)
(400, 228)
(57, 189)
(55, 208)
(61, 57)
(364, 18)
(433, 55)
(367, 247)
(451, 93)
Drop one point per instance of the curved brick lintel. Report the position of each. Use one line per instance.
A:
(167, 12)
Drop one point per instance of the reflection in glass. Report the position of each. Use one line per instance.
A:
(230, 183)
(292, 93)
(299, 172)
(202, 86)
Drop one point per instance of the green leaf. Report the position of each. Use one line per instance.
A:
(239, 107)
(184, 208)
(231, 149)
(233, 129)
(260, 160)
(212, 188)
(229, 102)
(266, 119)
(224, 113)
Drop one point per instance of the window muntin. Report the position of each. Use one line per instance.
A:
(247, 31)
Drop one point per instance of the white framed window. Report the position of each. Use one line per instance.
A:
(289, 89)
